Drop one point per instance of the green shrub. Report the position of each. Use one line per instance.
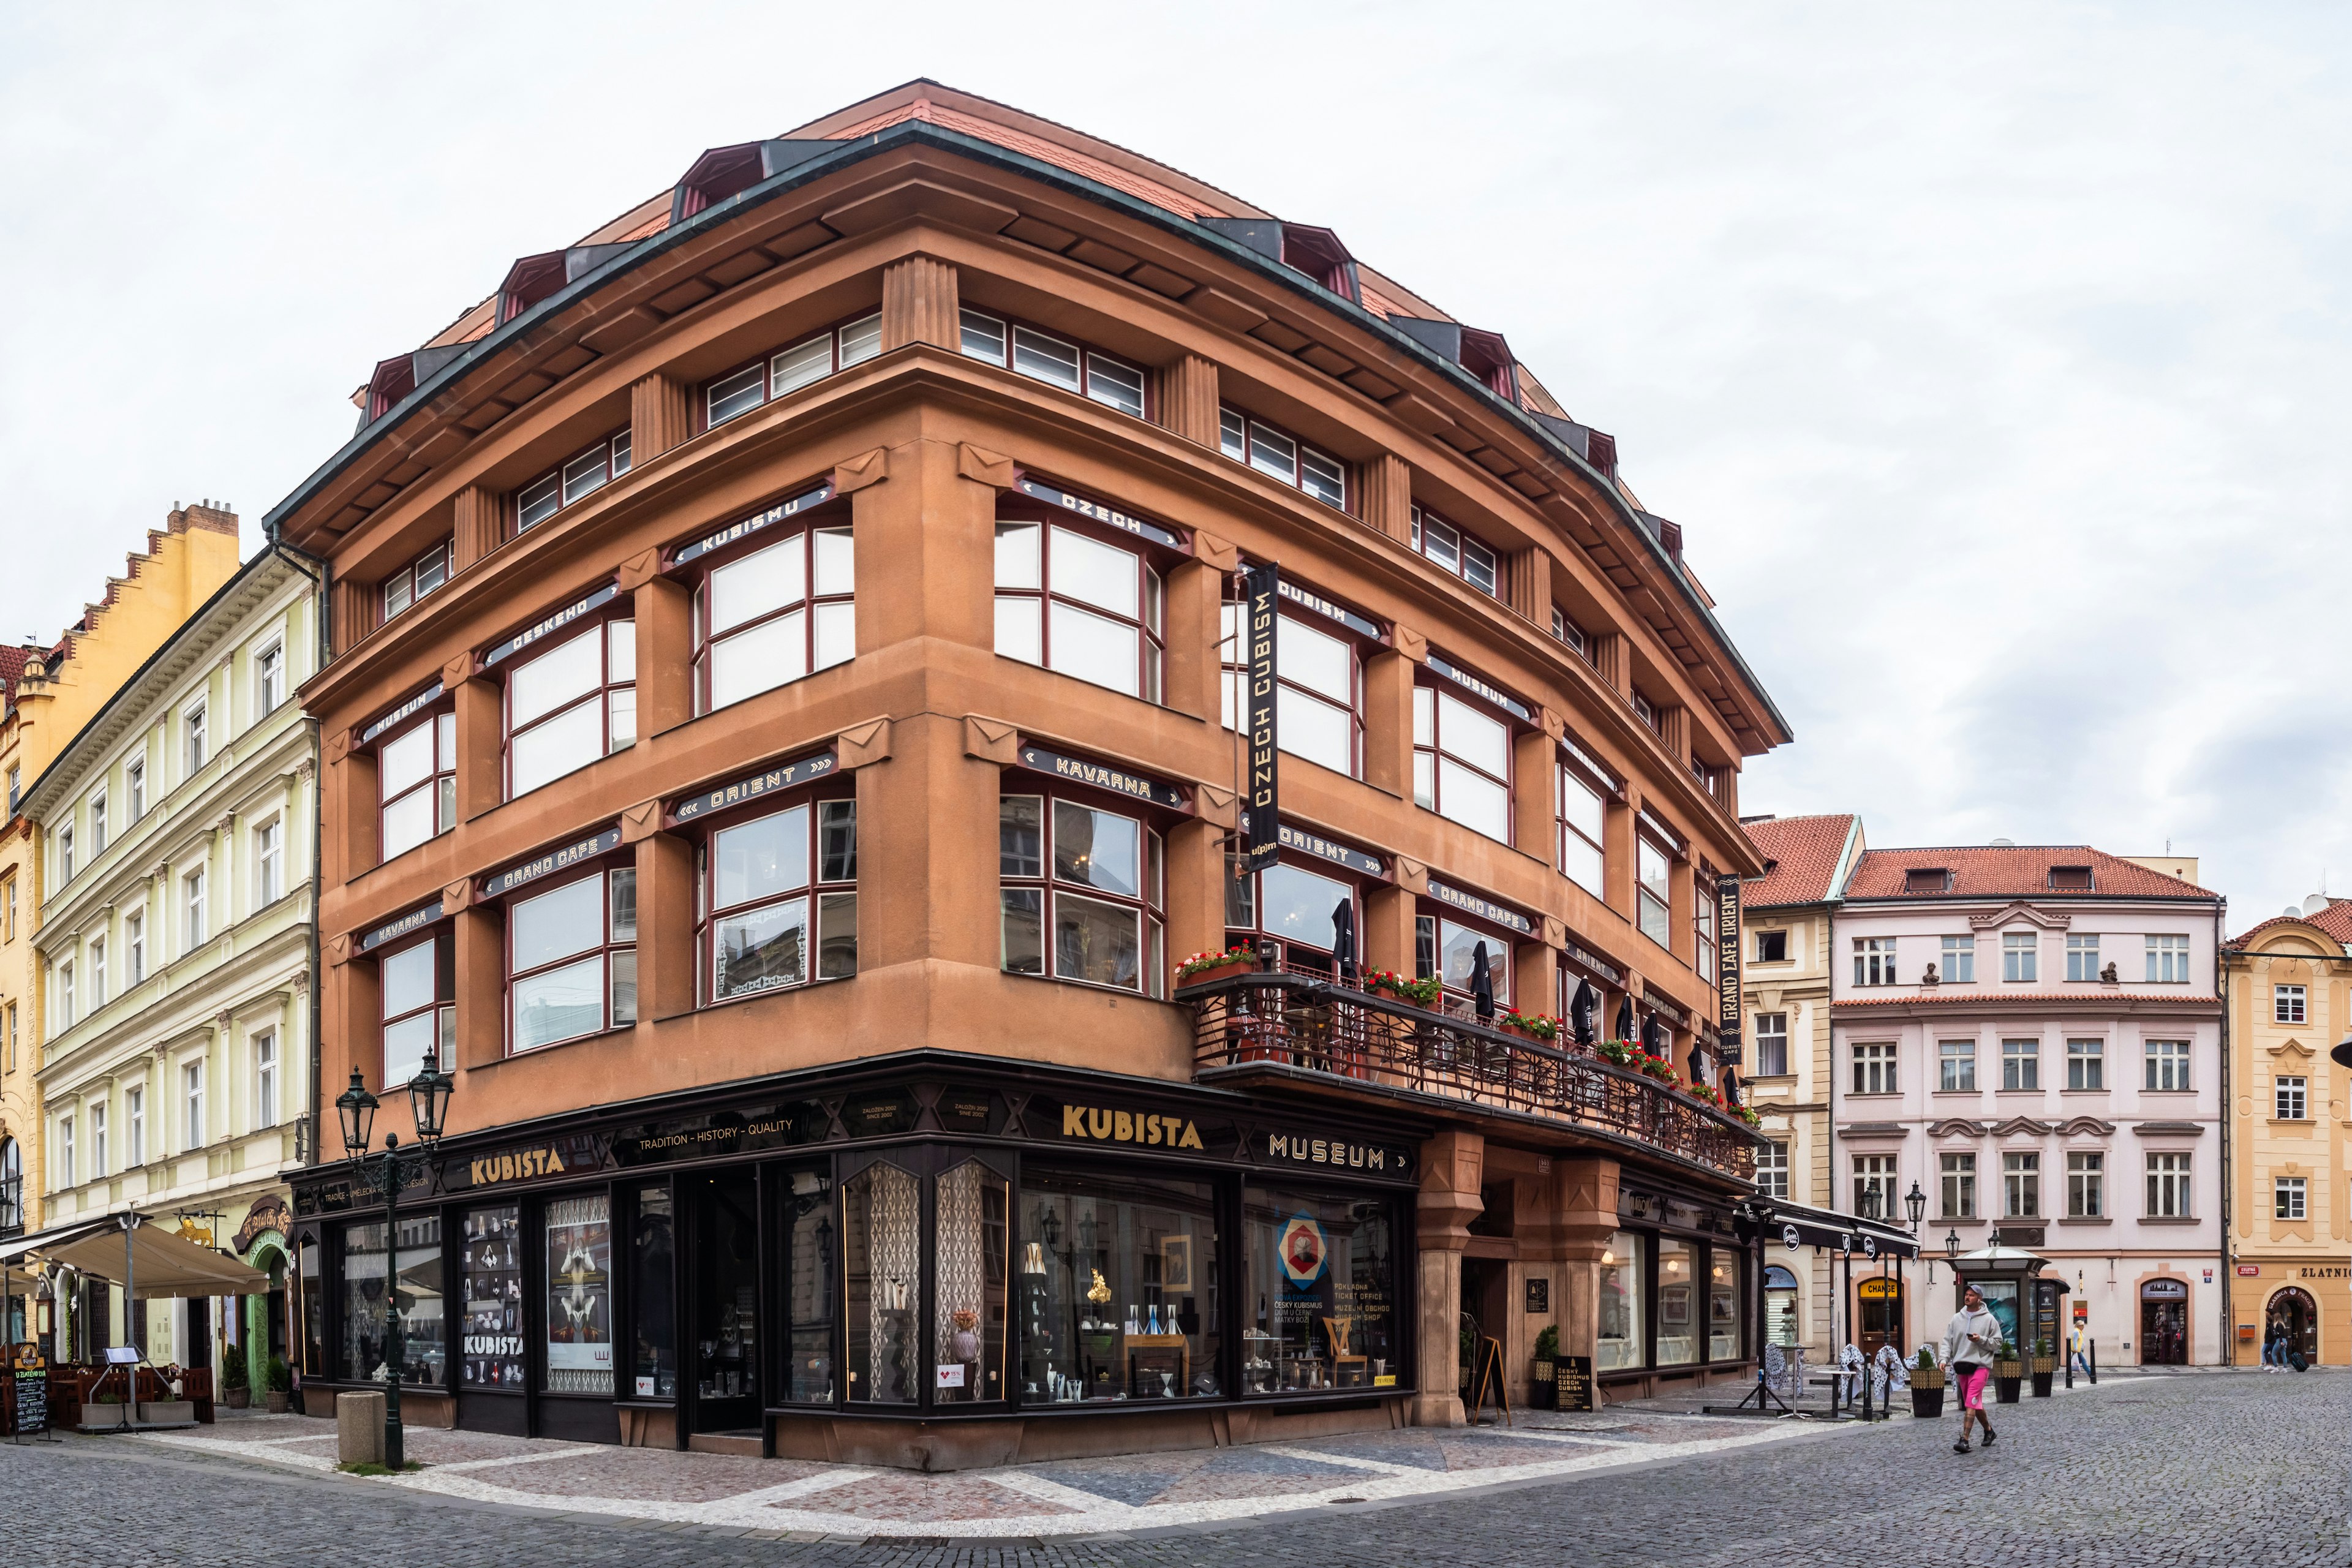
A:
(281, 1376)
(1927, 1362)
(233, 1370)
(1547, 1344)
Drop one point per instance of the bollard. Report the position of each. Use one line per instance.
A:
(358, 1428)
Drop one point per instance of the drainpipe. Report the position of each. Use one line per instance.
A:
(323, 577)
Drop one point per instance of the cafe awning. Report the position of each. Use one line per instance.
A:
(1801, 1225)
(23, 1251)
(160, 1263)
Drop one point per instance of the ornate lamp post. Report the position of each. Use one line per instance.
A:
(428, 1101)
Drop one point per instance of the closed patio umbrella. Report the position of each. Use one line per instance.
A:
(1584, 1012)
(1343, 938)
(1482, 984)
(1625, 1019)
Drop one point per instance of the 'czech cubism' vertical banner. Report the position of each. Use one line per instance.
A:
(1261, 587)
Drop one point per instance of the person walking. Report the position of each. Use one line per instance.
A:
(1971, 1344)
(2080, 1351)
(2275, 1344)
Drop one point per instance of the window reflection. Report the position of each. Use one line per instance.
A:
(1117, 1287)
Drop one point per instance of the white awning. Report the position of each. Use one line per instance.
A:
(161, 1263)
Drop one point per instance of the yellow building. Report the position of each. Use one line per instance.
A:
(51, 693)
(2289, 999)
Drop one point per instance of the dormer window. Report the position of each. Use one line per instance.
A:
(2070, 879)
(1464, 555)
(584, 475)
(1926, 879)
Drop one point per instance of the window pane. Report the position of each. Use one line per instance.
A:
(1098, 849)
(1321, 1310)
(623, 883)
(983, 337)
(1016, 555)
(1019, 836)
(620, 454)
(555, 677)
(1474, 800)
(836, 935)
(760, 858)
(861, 341)
(407, 823)
(1272, 453)
(557, 924)
(799, 364)
(559, 1004)
(1678, 1317)
(1458, 948)
(585, 474)
(746, 589)
(1298, 906)
(405, 761)
(1095, 573)
(537, 502)
(1424, 779)
(836, 634)
(579, 1322)
(1581, 805)
(1114, 384)
(836, 841)
(490, 1275)
(759, 660)
(404, 1044)
(1024, 950)
(760, 951)
(1439, 542)
(739, 394)
(1581, 863)
(836, 560)
(620, 646)
(1470, 735)
(1316, 660)
(622, 705)
(1230, 439)
(625, 986)
(1477, 565)
(1152, 1243)
(1047, 359)
(882, 1250)
(1097, 650)
(1020, 628)
(396, 592)
(431, 571)
(561, 745)
(1425, 716)
(1315, 730)
(1096, 941)
(1321, 478)
(407, 980)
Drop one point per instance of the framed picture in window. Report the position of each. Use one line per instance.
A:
(1176, 1264)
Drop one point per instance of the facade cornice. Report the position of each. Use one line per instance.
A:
(157, 1017)
(2127, 1003)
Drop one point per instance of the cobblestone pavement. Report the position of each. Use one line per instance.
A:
(2242, 1469)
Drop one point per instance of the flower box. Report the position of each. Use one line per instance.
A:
(1203, 967)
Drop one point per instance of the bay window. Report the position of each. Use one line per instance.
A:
(736, 393)
(1282, 456)
(1463, 554)
(1056, 360)
(571, 959)
(419, 987)
(1079, 605)
(416, 784)
(1461, 763)
(1080, 893)
(778, 900)
(1318, 708)
(572, 479)
(775, 615)
(571, 705)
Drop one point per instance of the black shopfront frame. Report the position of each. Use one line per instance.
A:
(1704, 1225)
(919, 1111)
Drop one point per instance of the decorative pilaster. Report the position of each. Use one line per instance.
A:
(919, 304)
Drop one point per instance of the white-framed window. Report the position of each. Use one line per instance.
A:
(1959, 961)
(2021, 1184)
(2168, 1186)
(1081, 605)
(2168, 961)
(265, 1079)
(134, 787)
(416, 784)
(134, 947)
(777, 899)
(417, 987)
(1282, 455)
(2289, 1198)
(196, 743)
(736, 393)
(1584, 815)
(2086, 1184)
(1960, 1183)
(268, 678)
(1772, 1046)
(770, 616)
(268, 863)
(1955, 1065)
(65, 853)
(2286, 1004)
(2086, 1064)
(2168, 1064)
(2021, 1063)
(95, 1114)
(1652, 888)
(97, 972)
(1462, 764)
(2020, 957)
(574, 479)
(1462, 553)
(1565, 629)
(1081, 893)
(1446, 951)
(65, 1152)
(191, 1085)
(1318, 688)
(2290, 1098)
(1703, 918)
(1772, 1168)
(1056, 360)
(134, 1126)
(67, 996)
(571, 959)
(1647, 712)
(1874, 961)
(418, 578)
(193, 907)
(1873, 1067)
(571, 705)
(2082, 957)
(98, 824)
(1874, 1177)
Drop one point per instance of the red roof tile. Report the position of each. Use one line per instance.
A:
(1801, 856)
(2336, 920)
(2018, 871)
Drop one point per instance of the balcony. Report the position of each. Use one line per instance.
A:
(1305, 1029)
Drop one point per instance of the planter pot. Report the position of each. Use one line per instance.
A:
(1221, 971)
(2041, 1384)
(1927, 1402)
(2006, 1376)
(1544, 1391)
(104, 1415)
(237, 1398)
(278, 1402)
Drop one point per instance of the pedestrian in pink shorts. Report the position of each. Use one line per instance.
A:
(1970, 1345)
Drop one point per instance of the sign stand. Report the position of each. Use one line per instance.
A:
(1490, 1375)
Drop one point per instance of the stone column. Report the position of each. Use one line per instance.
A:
(1584, 1209)
(1453, 1165)
(1387, 497)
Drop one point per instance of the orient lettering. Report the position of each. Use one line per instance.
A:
(1107, 1124)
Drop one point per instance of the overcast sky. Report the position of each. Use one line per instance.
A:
(1992, 357)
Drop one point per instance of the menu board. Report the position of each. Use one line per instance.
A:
(1573, 1374)
(580, 1295)
(491, 1307)
(30, 1372)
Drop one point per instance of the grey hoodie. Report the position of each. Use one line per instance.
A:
(1972, 1337)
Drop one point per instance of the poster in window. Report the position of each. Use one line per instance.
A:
(491, 1283)
(1176, 1264)
(1303, 1250)
(580, 1295)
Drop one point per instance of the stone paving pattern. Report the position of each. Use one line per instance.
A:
(2241, 1469)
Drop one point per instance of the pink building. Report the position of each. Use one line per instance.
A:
(2031, 1035)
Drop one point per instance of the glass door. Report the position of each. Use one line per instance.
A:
(722, 1216)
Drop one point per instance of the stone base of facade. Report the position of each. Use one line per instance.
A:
(937, 1446)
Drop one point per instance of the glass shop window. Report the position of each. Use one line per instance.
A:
(419, 986)
(490, 1302)
(569, 706)
(1620, 1341)
(812, 1288)
(423, 1351)
(1321, 1311)
(770, 618)
(1118, 1290)
(881, 1208)
(1110, 932)
(1298, 908)
(1447, 949)
(1723, 1297)
(1677, 1302)
(968, 1248)
(653, 1297)
(571, 959)
(1079, 605)
(778, 900)
(580, 1295)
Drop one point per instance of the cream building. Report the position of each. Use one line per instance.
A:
(1787, 917)
(2289, 998)
(176, 941)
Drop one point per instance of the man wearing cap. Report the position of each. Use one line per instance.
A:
(1971, 1344)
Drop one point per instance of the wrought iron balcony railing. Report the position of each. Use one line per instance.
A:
(1305, 1023)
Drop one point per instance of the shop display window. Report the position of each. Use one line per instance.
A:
(775, 615)
(580, 1294)
(726, 1295)
(1096, 918)
(1618, 1343)
(1117, 1287)
(490, 1298)
(572, 704)
(423, 1350)
(779, 899)
(1723, 1299)
(1321, 1312)
(1678, 1325)
(812, 1288)
(571, 959)
(968, 1284)
(882, 1251)
(652, 1298)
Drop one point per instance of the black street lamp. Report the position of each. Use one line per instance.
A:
(428, 1102)
(1916, 1202)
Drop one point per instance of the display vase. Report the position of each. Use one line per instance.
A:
(1927, 1390)
(1545, 1390)
(2006, 1376)
(237, 1398)
(964, 1345)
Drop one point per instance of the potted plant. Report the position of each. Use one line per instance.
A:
(2007, 1372)
(1420, 992)
(1547, 1389)
(235, 1387)
(1659, 1069)
(1704, 1094)
(281, 1384)
(1203, 967)
(1614, 1051)
(1533, 1026)
(1748, 1113)
(1927, 1384)
(2045, 1367)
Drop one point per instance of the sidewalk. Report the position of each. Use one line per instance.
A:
(1125, 1494)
